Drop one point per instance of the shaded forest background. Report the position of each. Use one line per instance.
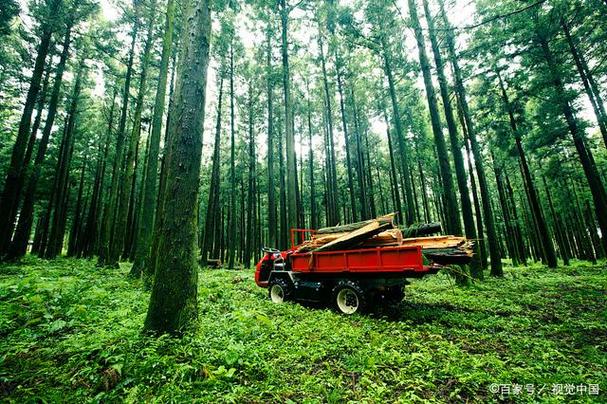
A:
(317, 113)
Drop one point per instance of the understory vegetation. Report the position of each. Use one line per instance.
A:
(70, 331)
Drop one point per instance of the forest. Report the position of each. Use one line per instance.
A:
(152, 152)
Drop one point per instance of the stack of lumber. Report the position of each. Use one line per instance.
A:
(381, 232)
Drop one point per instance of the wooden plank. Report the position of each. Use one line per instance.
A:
(346, 228)
(356, 237)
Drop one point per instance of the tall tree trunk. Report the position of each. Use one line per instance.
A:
(18, 247)
(107, 252)
(284, 227)
(291, 166)
(586, 76)
(494, 254)
(10, 195)
(211, 222)
(595, 183)
(232, 212)
(75, 230)
(62, 172)
(173, 302)
(91, 232)
(476, 269)
(152, 263)
(333, 198)
(393, 170)
(313, 207)
(120, 247)
(450, 200)
(408, 216)
(344, 121)
(148, 205)
(542, 228)
(272, 222)
(251, 191)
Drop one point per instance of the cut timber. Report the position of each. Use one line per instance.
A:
(346, 228)
(435, 241)
(422, 229)
(386, 238)
(356, 237)
(214, 263)
(319, 240)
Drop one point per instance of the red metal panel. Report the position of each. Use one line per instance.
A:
(368, 260)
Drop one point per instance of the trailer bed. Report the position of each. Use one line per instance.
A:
(397, 260)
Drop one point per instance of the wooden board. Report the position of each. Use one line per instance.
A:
(356, 237)
(347, 228)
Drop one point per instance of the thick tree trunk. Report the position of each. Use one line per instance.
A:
(152, 263)
(173, 303)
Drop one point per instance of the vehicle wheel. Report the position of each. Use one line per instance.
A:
(349, 297)
(395, 295)
(279, 291)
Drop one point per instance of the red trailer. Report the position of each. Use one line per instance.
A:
(351, 279)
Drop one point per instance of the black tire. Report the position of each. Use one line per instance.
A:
(349, 298)
(395, 295)
(279, 290)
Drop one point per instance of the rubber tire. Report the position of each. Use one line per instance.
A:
(395, 295)
(286, 288)
(355, 287)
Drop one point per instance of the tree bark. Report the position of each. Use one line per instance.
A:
(494, 254)
(476, 269)
(18, 246)
(148, 205)
(595, 183)
(107, 251)
(291, 163)
(124, 220)
(173, 302)
(408, 216)
(449, 200)
(542, 228)
(10, 195)
(593, 95)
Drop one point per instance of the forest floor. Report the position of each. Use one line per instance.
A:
(72, 332)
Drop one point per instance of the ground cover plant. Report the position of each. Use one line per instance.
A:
(70, 331)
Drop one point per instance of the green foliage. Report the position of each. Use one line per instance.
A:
(72, 332)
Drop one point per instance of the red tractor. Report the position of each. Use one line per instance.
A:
(352, 280)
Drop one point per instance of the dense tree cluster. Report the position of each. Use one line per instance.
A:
(320, 112)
